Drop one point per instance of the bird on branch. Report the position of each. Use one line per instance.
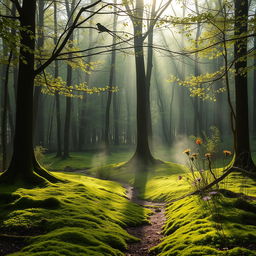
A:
(102, 28)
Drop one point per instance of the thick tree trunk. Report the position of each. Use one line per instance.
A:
(242, 148)
(21, 166)
(142, 153)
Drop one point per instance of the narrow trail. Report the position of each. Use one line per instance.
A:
(150, 234)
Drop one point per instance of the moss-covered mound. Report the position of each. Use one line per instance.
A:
(223, 225)
(218, 224)
(85, 216)
(157, 183)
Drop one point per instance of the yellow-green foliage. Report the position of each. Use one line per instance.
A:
(84, 216)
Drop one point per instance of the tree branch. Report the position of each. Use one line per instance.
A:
(227, 172)
(9, 17)
(17, 5)
(57, 50)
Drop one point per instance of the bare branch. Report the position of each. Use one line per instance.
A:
(17, 5)
(75, 24)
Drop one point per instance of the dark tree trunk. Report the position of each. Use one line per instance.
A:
(4, 112)
(116, 118)
(23, 162)
(57, 97)
(142, 153)
(38, 97)
(111, 83)
(254, 91)
(21, 166)
(50, 125)
(69, 83)
(242, 148)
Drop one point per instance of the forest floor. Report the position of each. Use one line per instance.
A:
(149, 234)
(94, 213)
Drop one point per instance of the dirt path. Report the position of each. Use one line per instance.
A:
(150, 234)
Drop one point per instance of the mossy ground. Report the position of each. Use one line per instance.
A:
(224, 225)
(85, 216)
(83, 160)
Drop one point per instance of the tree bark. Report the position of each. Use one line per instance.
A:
(57, 97)
(69, 82)
(111, 83)
(38, 97)
(242, 148)
(21, 166)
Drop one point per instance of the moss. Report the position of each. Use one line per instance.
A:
(27, 202)
(85, 216)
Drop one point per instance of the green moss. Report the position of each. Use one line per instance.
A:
(83, 160)
(85, 216)
(28, 202)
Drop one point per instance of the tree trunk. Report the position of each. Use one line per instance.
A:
(142, 153)
(69, 83)
(4, 112)
(23, 162)
(111, 83)
(38, 97)
(21, 166)
(57, 97)
(254, 90)
(242, 148)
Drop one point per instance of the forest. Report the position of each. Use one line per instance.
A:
(128, 127)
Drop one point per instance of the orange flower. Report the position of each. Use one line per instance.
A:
(199, 141)
(227, 152)
(208, 155)
(195, 155)
(187, 151)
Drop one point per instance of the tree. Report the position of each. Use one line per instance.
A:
(70, 9)
(23, 165)
(243, 157)
(136, 13)
(111, 83)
